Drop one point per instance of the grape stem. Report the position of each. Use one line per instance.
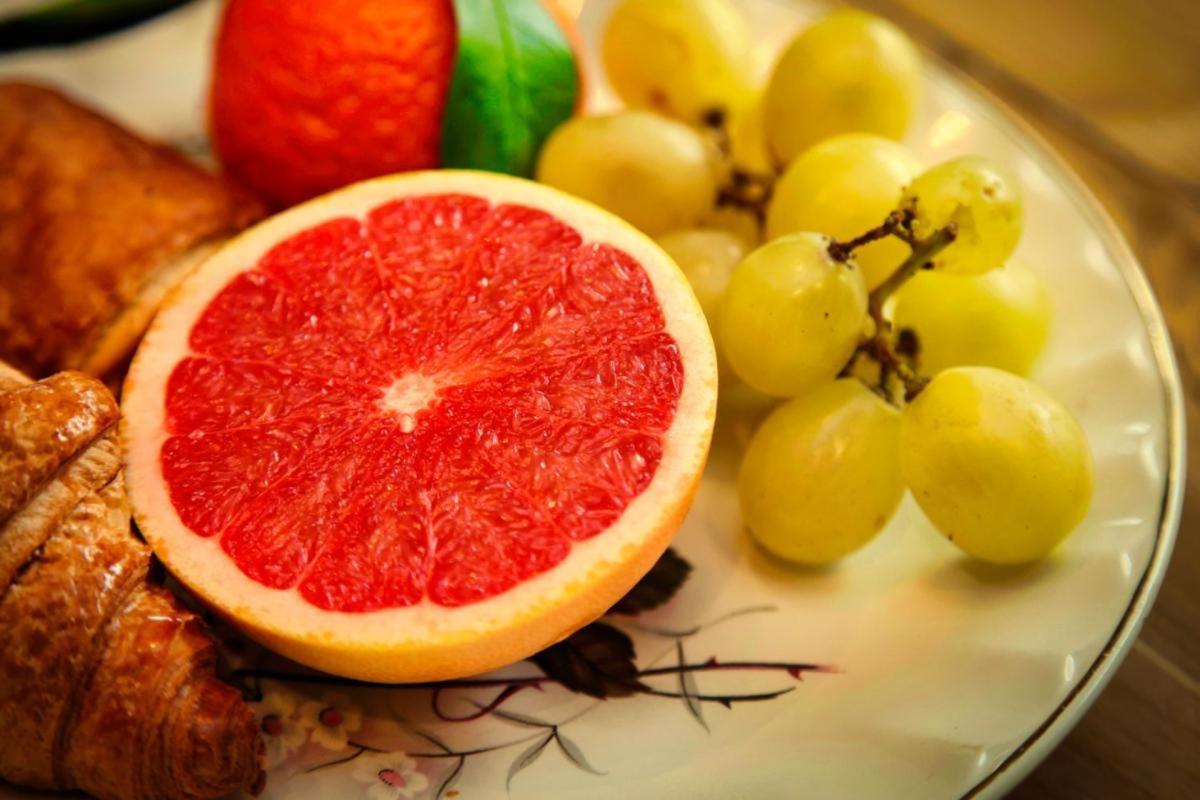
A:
(921, 257)
(895, 225)
(879, 347)
(923, 252)
(745, 190)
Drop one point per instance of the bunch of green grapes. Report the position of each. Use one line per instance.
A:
(701, 143)
(997, 465)
(868, 305)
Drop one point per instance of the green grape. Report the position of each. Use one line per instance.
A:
(736, 396)
(685, 58)
(707, 257)
(842, 187)
(791, 315)
(741, 222)
(851, 71)
(1000, 319)
(821, 477)
(981, 198)
(748, 148)
(658, 174)
(997, 464)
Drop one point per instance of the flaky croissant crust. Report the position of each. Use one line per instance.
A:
(107, 683)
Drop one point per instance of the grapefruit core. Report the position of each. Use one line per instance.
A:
(421, 427)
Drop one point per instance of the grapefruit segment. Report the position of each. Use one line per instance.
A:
(209, 394)
(421, 427)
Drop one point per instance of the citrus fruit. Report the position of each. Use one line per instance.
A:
(421, 427)
(309, 97)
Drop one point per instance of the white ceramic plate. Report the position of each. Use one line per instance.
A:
(942, 679)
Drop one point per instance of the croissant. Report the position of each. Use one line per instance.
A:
(96, 226)
(107, 684)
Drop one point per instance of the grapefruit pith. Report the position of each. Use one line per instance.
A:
(421, 427)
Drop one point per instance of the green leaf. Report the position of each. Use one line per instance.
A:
(515, 80)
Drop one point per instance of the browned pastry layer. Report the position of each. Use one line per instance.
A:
(189, 736)
(42, 425)
(96, 225)
(80, 576)
(106, 683)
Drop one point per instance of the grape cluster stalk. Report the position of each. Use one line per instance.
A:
(879, 347)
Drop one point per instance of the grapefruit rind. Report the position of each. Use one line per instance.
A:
(425, 641)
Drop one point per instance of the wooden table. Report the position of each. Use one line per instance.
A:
(1114, 85)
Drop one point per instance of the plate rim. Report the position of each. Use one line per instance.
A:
(1033, 750)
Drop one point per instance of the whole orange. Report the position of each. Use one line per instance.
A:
(310, 96)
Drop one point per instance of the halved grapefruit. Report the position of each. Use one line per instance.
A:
(421, 427)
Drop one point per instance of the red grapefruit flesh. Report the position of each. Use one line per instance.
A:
(421, 427)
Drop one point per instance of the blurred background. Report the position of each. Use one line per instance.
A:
(1114, 85)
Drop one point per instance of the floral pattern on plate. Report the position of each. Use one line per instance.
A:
(397, 756)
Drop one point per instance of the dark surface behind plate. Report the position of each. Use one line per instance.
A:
(57, 22)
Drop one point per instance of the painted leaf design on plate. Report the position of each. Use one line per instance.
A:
(521, 719)
(575, 755)
(658, 585)
(450, 779)
(515, 80)
(688, 689)
(527, 757)
(433, 740)
(597, 660)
